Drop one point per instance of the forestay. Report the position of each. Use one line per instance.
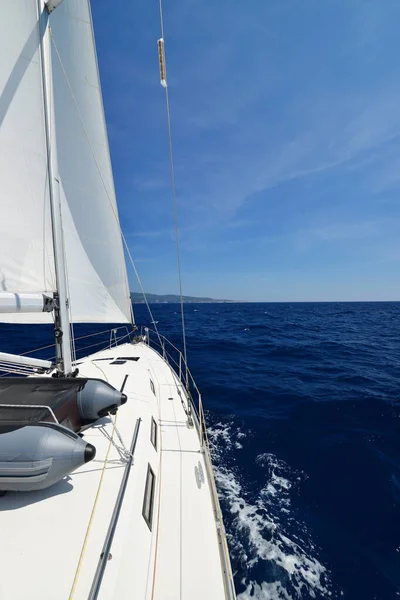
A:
(98, 288)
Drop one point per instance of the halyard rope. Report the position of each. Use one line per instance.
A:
(89, 527)
(122, 450)
(163, 73)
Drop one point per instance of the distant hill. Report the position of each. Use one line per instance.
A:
(137, 298)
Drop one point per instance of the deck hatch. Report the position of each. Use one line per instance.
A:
(148, 500)
(97, 359)
(153, 433)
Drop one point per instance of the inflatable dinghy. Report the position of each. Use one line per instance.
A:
(40, 418)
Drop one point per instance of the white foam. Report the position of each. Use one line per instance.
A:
(265, 591)
(263, 533)
(223, 437)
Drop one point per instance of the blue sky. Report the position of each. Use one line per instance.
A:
(286, 133)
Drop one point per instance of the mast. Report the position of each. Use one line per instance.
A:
(61, 302)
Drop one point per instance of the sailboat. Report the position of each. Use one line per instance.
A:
(106, 482)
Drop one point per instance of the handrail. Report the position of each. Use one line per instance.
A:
(161, 343)
(185, 376)
(200, 422)
(154, 342)
(105, 553)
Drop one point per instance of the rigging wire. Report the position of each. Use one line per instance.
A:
(100, 343)
(163, 80)
(113, 208)
(82, 337)
(27, 371)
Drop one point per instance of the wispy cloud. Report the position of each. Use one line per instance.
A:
(346, 231)
(340, 141)
(145, 260)
(150, 184)
(285, 128)
(151, 233)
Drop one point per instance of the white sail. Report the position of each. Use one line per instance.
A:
(98, 288)
(26, 252)
(84, 163)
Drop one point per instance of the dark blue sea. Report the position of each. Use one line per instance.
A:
(303, 408)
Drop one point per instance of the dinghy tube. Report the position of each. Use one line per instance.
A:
(75, 401)
(39, 421)
(97, 399)
(37, 456)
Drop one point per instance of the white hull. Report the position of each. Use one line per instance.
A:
(52, 539)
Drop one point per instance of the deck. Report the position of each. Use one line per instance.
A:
(52, 540)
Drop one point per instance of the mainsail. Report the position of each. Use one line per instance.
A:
(96, 272)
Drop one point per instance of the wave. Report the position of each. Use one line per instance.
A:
(272, 553)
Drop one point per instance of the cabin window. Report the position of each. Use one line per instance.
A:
(148, 501)
(153, 433)
(153, 389)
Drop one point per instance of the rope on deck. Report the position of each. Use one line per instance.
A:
(92, 515)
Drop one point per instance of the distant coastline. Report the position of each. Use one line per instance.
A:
(137, 298)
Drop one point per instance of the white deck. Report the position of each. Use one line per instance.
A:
(44, 533)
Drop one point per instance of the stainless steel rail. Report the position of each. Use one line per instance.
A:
(105, 553)
(186, 385)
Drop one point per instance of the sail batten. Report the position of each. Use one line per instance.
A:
(97, 280)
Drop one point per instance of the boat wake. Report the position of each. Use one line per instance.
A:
(272, 553)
